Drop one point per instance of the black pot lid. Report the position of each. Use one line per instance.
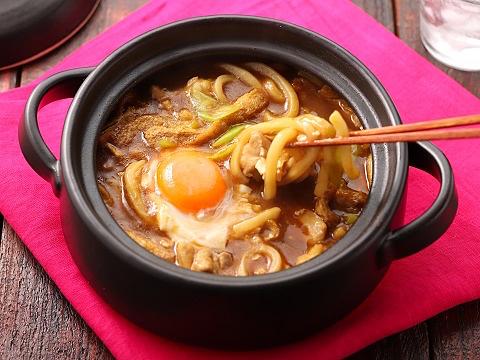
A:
(31, 28)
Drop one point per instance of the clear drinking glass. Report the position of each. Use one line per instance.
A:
(450, 31)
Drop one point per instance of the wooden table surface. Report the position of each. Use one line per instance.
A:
(37, 322)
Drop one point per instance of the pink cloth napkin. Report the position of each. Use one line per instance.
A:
(415, 288)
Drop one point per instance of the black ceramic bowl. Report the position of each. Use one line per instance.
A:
(211, 309)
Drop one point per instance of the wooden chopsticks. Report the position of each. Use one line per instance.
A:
(425, 130)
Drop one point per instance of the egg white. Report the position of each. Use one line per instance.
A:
(209, 227)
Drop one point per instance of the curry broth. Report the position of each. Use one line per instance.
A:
(165, 97)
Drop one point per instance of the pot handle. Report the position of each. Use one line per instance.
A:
(33, 147)
(424, 230)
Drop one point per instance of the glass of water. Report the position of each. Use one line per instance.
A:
(450, 31)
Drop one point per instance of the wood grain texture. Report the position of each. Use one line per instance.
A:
(407, 20)
(455, 334)
(410, 344)
(36, 322)
(381, 10)
(8, 79)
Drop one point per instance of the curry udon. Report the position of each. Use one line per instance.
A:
(196, 168)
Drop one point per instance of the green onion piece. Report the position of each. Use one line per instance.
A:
(219, 113)
(205, 116)
(350, 218)
(223, 153)
(195, 124)
(228, 136)
(166, 143)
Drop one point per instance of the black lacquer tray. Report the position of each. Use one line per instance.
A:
(31, 28)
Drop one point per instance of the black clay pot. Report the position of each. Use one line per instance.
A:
(226, 311)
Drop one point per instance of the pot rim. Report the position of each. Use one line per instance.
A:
(158, 267)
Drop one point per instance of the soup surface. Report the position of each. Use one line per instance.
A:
(195, 167)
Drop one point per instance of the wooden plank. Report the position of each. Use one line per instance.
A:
(410, 344)
(381, 10)
(7, 80)
(455, 333)
(35, 319)
(407, 20)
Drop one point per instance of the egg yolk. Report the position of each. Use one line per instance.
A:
(191, 181)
